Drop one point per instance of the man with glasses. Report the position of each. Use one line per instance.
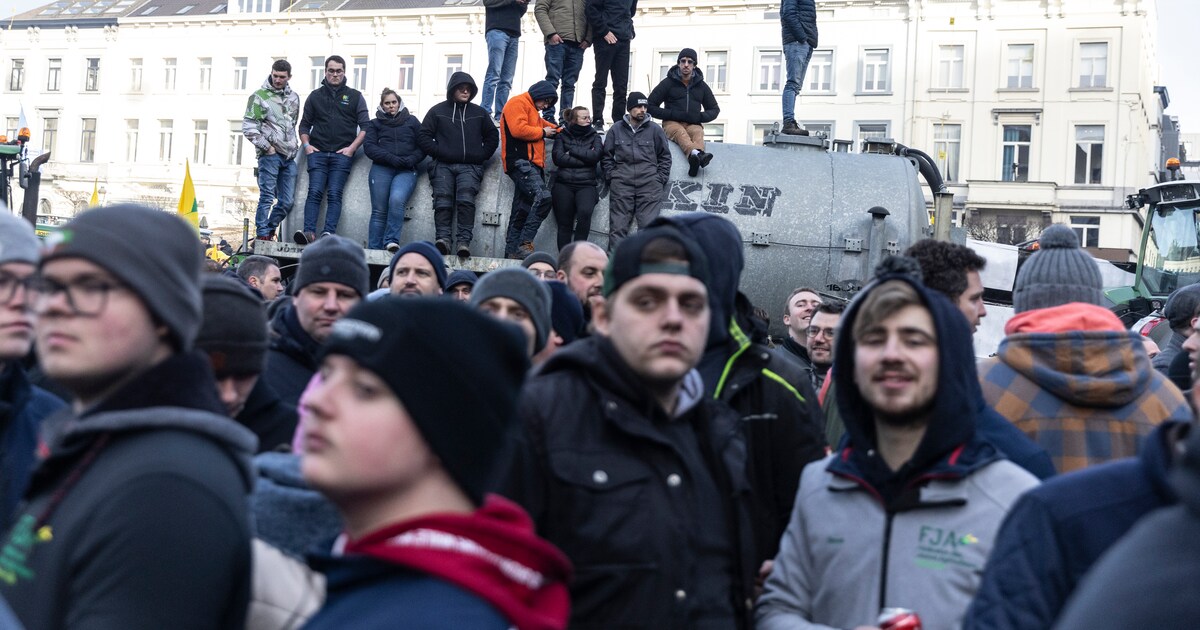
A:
(820, 333)
(22, 405)
(147, 453)
(270, 125)
(684, 102)
(332, 128)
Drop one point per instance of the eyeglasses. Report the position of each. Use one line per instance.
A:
(543, 275)
(815, 331)
(9, 284)
(86, 297)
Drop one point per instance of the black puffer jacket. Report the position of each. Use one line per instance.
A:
(456, 133)
(799, 18)
(612, 15)
(577, 151)
(392, 140)
(693, 103)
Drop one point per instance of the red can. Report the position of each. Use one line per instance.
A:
(899, 619)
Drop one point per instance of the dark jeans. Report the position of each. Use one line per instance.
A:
(390, 190)
(573, 206)
(563, 61)
(530, 205)
(454, 189)
(626, 203)
(612, 58)
(327, 174)
(276, 192)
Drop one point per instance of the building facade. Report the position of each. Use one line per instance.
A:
(1036, 111)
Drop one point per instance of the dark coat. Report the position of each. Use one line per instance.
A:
(291, 359)
(272, 420)
(392, 140)
(23, 406)
(692, 103)
(577, 151)
(637, 159)
(333, 116)
(1056, 532)
(799, 18)
(614, 16)
(504, 15)
(458, 134)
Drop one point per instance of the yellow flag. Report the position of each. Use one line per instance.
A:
(187, 200)
(95, 193)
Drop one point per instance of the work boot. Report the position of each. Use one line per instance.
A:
(304, 238)
(392, 248)
(705, 158)
(792, 128)
(693, 164)
(463, 251)
(525, 249)
(443, 246)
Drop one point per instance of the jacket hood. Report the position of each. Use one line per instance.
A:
(956, 400)
(288, 337)
(392, 120)
(287, 89)
(493, 552)
(458, 78)
(1101, 366)
(697, 75)
(722, 244)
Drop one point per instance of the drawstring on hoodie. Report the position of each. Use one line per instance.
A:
(72, 479)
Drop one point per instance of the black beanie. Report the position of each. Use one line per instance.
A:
(626, 262)
(540, 257)
(458, 373)
(156, 253)
(543, 90)
(636, 99)
(566, 313)
(337, 259)
(689, 53)
(460, 276)
(234, 332)
(523, 288)
(429, 252)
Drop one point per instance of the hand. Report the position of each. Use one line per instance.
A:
(346, 151)
(584, 44)
(309, 149)
(271, 150)
(549, 132)
(610, 38)
(555, 40)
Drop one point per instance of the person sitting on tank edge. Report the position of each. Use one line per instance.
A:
(684, 102)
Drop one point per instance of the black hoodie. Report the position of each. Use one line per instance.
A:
(458, 133)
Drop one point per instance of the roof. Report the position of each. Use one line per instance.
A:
(78, 12)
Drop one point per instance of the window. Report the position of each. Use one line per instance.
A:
(949, 71)
(235, 143)
(875, 70)
(239, 73)
(54, 75)
(205, 83)
(870, 131)
(49, 134)
(150, 10)
(770, 68)
(1087, 229)
(716, 67)
(91, 75)
(665, 61)
(16, 75)
(759, 131)
(1089, 153)
(946, 142)
(823, 129)
(454, 63)
(408, 67)
(1093, 65)
(166, 137)
(1019, 66)
(358, 73)
(135, 75)
(200, 142)
(1014, 162)
(820, 71)
(317, 70)
(14, 125)
(169, 74)
(714, 132)
(254, 6)
(87, 141)
(185, 9)
(131, 140)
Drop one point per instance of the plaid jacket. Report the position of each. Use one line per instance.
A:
(1086, 396)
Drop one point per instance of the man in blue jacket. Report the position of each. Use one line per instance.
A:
(799, 18)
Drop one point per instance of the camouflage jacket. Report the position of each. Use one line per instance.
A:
(270, 120)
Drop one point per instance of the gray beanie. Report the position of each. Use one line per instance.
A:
(234, 332)
(523, 288)
(18, 243)
(156, 253)
(337, 259)
(1058, 273)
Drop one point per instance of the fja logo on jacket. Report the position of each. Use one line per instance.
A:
(938, 547)
(13, 557)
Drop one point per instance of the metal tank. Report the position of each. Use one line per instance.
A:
(808, 216)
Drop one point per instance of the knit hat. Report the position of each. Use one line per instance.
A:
(234, 331)
(18, 243)
(1181, 306)
(636, 99)
(566, 313)
(524, 289)
(1058, 273)
(460, 276)
(465, 409)
(687, 52)
(337, 259)
(626, 263)
(540, 257)
(154, 252)
(426, 249)
(543, 90)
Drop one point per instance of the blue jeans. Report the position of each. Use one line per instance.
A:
(563, 61)
(530, 205)
(390, 190)
(276, 189)
(796, 55)
(502, 65)
(327, 174)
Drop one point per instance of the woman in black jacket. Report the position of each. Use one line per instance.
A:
(576, 153)
(391, 143)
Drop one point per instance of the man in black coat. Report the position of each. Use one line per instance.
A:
(684, 102)
(611, 22)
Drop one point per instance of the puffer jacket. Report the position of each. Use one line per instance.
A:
(271, 118)
(392, 140)
(615, 16)
(577, 151)
(799, 19)
(638, 158)
(565, 18)
(454, 133)
(1080, 385)
(692, 103)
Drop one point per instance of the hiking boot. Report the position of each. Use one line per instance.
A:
(443, 246)
(705, 158)
(463, 251)
(392, 248)
(693, 164)
(525, 249)
(792, 128)
(304, 238)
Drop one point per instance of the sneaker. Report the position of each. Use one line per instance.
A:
(304, 238)
(392, 248)
(693, 165)
(792, 128)
(463, 251)
(705, 158)
(443, 246)
(265, 237)
(324, 234)
(598, 125)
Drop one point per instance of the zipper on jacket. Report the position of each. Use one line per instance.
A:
(883, 572)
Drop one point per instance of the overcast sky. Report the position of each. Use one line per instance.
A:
(1179, 25)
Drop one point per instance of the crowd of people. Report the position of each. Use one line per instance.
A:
(593, 440)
